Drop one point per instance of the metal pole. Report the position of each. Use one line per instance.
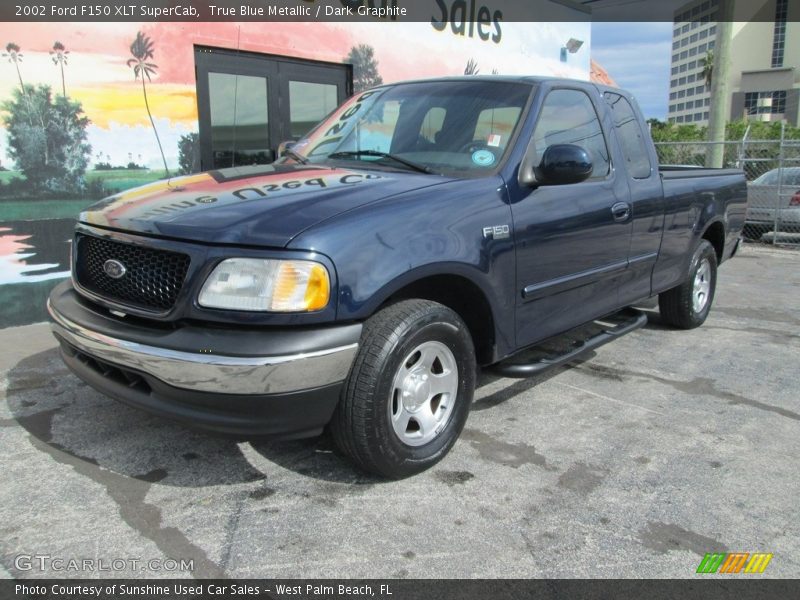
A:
(779, 195)
(720, 85)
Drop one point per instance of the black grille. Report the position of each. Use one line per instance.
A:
(152, 279)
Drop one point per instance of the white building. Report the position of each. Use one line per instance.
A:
(765, 61)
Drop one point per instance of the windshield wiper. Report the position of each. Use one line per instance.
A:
(356, 153)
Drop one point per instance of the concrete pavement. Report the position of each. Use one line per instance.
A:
(634, 462)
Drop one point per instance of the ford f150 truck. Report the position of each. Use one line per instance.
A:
(423, 229)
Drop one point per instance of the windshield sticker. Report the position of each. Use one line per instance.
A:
(494, 140)
(483, 158)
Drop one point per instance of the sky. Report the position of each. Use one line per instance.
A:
(637, 56)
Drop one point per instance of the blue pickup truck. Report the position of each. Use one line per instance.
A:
(420, 231)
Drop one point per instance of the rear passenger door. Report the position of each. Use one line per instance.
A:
(646, 197)
(572, 241)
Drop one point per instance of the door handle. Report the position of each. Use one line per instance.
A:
(621, 211)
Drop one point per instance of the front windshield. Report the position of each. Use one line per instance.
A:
(451, 127)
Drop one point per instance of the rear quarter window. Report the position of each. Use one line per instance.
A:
(631, 137)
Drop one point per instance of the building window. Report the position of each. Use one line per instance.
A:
(684, 54)
(681, 106)
(707, 102)
(676, 32)
(712, 30)
(682, 94)
(698, 116)
(690, 92)
(682, 81)
(693, 64)
(679, 120)
(674, 70)
(691, 78)
(684, 42)
(673, 95)
(676, 45)
(779, 34)
(673, 83)
(671, 108)
(685, 28)
(704, 34)
(683, 69)
(702, 47)
(693, 51)
(711, 45)
(705, 115)
(674, 58)
(693, 38)
(765, 103)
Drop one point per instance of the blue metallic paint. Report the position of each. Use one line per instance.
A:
(397, 228)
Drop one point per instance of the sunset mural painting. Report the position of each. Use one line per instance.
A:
(79, 121)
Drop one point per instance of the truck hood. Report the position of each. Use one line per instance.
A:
(263, 205)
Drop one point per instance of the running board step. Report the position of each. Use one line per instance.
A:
(636, 321)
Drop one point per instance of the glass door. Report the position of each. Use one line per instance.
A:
(237, 105)
(249, 103)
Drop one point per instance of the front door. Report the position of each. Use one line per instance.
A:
(249, 103)
(572, 240)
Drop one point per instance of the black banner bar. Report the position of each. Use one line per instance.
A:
(441, 11)
(742, 587)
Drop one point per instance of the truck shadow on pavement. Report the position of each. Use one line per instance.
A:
(95, 434)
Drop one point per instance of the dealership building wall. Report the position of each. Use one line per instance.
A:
(96, 73)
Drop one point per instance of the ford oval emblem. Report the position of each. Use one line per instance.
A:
(114, 269)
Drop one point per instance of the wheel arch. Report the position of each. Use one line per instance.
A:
(458, 290)
(714, 233)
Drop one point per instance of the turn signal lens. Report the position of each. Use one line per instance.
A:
(255, 284)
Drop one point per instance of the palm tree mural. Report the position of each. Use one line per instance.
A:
(471, 68)
(14, 56)
(708, 68)
(142, 50)
(59, 56)
(365, 67)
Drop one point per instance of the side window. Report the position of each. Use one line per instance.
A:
(568, 117)
(631, 136)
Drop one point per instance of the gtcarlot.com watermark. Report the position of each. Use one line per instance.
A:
(60, 564)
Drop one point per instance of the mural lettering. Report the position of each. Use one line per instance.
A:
(469, 19)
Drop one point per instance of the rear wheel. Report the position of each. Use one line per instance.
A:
(687, 305)
(410, 389)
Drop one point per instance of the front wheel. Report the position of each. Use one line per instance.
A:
(687, 305)
(409, 392)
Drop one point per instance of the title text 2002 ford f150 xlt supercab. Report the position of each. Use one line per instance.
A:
(420, 230)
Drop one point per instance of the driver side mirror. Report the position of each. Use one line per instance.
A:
(561, 164)
(284, 146)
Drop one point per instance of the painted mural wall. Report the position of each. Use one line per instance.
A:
(88, 110)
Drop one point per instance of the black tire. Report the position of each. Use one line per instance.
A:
(362, 426)
(677, 305)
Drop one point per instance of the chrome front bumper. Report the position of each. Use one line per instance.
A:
(207, 372)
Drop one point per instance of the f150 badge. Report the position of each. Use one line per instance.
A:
(496, 232)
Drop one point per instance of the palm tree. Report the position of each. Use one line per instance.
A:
(14, 56)
(142, 51)
(471, 68)
(59, 56)
(708, 68)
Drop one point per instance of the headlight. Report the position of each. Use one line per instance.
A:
(267, 285)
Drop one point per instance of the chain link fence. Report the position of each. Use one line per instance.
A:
(772, 168)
